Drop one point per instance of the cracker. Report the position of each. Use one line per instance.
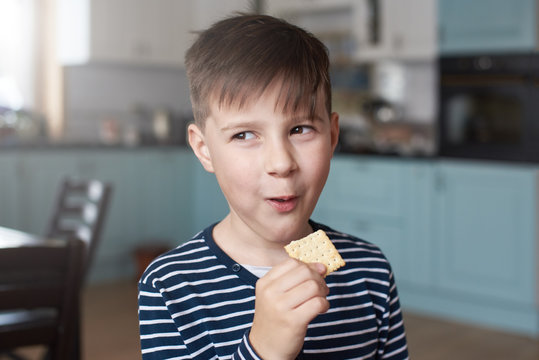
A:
(316, 247)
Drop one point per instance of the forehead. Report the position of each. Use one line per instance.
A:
(287, 97)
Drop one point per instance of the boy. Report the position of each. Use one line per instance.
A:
(260, 92)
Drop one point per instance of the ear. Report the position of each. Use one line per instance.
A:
(197, 141)
(334, 123)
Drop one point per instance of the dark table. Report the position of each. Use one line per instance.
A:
(10, 238)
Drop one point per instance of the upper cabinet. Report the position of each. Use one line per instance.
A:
(409, 29)
(487, 26)
(205, 12)
(145, 32)
(122, 31)
(159, 32)
(366, 30)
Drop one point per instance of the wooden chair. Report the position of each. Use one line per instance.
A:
(80, 210)
(40, 296)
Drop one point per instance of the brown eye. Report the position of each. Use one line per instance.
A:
(245, 135)
(301, 129)
(239, 136)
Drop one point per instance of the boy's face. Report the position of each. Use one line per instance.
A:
(270, 166)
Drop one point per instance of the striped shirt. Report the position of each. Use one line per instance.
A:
(195, 302)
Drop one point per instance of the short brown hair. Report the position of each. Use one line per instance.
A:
(237, 58)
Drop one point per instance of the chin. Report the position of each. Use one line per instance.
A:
(289, 231)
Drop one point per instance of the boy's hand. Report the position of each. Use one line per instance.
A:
(288, 298)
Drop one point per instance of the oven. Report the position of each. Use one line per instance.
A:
(489, 107)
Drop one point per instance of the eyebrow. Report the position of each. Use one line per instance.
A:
(252, 124)
(238, 125)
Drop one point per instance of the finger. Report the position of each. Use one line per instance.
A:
(311, 308)
(280, 279)
(297, 275)
(319, 268)
(304, 291)
(282, 268)
(290, 269)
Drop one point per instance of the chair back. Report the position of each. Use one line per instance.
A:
(40, 296)
(80, 210)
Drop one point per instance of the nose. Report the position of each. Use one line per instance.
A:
(279, 159)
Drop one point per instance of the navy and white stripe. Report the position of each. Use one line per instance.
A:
(195, 302)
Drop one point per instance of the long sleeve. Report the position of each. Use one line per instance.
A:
(159, 337)
(197, 303)
(394, 347)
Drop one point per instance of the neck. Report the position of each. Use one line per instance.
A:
(245, 246)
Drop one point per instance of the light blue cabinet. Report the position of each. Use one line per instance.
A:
(461, 236)
(486, 227)
(164, 191)
(419, 184)
(363, 197)
(481, 26)
(159, 196)
(487, 240)
(374, 199)
(366, 186)
(36, 178)
(9, 189)
(151, 188)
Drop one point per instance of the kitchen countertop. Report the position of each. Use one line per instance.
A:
(367, 153)
(82, 146)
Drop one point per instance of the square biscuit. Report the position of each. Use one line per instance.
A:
(316, 247)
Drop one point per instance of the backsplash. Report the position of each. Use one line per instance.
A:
(383, 106)
(387, 107)
(107, 103)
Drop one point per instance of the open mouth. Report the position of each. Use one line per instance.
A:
(284, 203)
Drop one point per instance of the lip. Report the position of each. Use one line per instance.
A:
(283, 204)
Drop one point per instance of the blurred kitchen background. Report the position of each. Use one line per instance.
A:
(437, 162)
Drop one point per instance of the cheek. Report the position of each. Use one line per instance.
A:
(235, 174)
(322, 172)
(318, 165)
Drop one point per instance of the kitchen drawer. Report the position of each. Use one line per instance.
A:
(366, 186)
